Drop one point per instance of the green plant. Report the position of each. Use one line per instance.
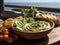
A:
(29, 12)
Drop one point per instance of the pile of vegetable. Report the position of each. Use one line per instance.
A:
(6, 33)
(30, 24)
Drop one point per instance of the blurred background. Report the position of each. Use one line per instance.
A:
(38, 3)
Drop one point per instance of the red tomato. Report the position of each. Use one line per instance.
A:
(6, 32)
(5, 37)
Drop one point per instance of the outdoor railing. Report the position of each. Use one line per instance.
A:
(39, 8)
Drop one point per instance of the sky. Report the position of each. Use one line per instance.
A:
(31, 0)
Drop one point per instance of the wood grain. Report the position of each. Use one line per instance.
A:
(54, 36)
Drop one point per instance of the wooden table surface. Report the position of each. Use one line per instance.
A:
(54, 35)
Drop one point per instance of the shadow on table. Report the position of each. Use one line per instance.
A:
(22, 41)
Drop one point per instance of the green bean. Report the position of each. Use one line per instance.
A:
(30, 24)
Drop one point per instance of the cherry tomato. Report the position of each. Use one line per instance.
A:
(5, 37)
(6, 32)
